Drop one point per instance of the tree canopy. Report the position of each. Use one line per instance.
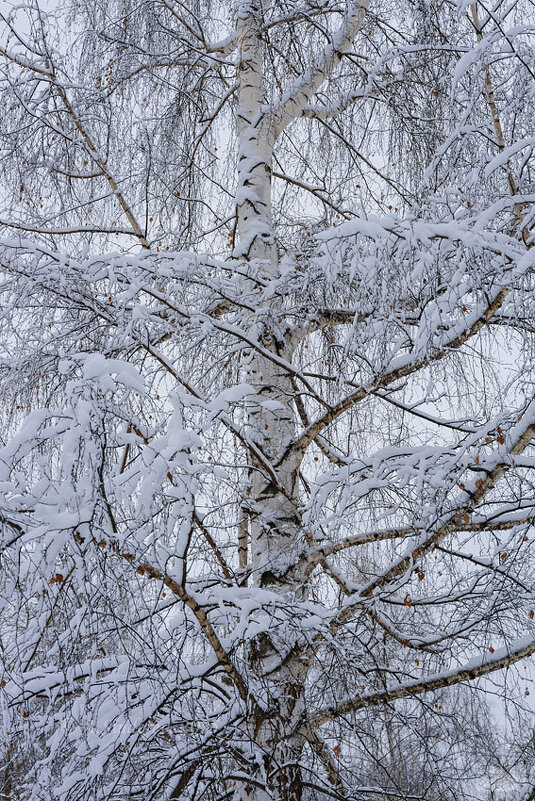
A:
(268, 400)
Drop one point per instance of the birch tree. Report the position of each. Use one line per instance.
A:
(267, 375)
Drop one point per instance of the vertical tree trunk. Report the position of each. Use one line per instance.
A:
(273, 521)
(253, 197)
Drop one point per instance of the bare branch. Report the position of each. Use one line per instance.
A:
(499, 659)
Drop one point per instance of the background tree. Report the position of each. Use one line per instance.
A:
(268, 400)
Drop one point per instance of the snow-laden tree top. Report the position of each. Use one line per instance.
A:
(268, 400)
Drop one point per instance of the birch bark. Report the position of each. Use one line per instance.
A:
(271, 510)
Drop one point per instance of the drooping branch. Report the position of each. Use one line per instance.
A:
(315, 191)
(519, 440)
(520, 437)
(49, 76)
(201, 616)
(497, 522)
(498, 659)
(406, 369)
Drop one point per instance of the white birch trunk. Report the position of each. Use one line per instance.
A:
(272, 500)
(273, 524)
